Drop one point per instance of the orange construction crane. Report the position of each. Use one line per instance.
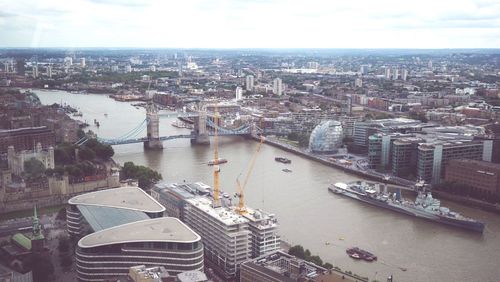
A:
(241, 205)
(216, 202)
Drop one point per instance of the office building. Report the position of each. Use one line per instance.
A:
(312, 65)
(280, 267)
(68, 61)
(364, 129)
(326, 137)
(433, 157)
(249, 83)
(125, 227)
(229, 237)
(128, 68)
(277, 86)
(480, 175)
(16, 160)
(405, 155)
(82, 62)
(238, 93)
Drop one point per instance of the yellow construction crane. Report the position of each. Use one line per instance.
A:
(216, 202)
(241, 209)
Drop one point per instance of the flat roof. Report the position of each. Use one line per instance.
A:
(162, 229)
(223, 214)
(100, 218)
(131, 198)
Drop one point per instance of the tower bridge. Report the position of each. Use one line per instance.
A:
(203, 129)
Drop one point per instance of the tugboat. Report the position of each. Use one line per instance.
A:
(357, 253)
(283, 160)
(286, 170)
(218, 161)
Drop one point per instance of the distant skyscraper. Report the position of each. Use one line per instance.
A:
(429, 64)
(35, 70)
(6, 65)
(404, 74)
(363, 69)
(277, 86)
(312, 65)
(239, 93)
(128, 68)
(395, 74)
(20, 66)
(49, 71)
(387, 73)
(114, 68)
(249, 83)
(82, 62)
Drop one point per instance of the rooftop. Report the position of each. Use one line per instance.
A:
(162, 229)
(132, 198)
(223, 214)
(100, 218)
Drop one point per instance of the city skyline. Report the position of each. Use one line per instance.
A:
(250, 24)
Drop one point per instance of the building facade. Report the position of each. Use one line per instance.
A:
(480, 175)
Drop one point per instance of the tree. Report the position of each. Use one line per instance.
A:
(328, 265)
(104, 151)
(34, 168)
(86, 154)
(316, 260)
(297, 251)
(144, 175)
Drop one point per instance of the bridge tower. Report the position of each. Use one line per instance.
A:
(153, 128)
(200, 131)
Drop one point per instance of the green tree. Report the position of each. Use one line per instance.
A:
(328, 265)
(297, 251)
(86, 154)
(34, 168)
(316, 260)
(144, 175)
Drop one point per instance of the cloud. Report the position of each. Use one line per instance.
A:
(251, 23)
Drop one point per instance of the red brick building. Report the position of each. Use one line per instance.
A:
(483, 176)
(26, 138)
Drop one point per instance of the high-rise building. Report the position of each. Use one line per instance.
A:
(313, 65)
(125, 227)
(82, 62)
(35, 70)
(395, 74)
(6, 67)
(249, 83)
(20, 69)
(429, 64)
(128, 68)
(387, 73)
(404, 74)
(49, 71)
(238, 93)
(114, 68)
(229, 237)
(277, 86)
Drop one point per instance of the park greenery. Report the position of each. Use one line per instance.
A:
(33, 168)
(145, 176)
(79, 161)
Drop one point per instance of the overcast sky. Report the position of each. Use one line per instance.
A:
(251, 23)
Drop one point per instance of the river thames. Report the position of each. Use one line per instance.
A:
(409, 248)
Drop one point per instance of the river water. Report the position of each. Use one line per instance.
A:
(308, 214)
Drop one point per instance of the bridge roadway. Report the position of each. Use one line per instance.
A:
(165, 138)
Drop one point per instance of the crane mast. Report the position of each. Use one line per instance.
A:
(241, 204)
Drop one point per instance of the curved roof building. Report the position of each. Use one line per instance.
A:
(326, 137)
(125, 227)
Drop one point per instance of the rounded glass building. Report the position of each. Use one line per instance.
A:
(326, 137)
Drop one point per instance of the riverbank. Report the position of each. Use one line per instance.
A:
(467, 201)
(363, 173)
